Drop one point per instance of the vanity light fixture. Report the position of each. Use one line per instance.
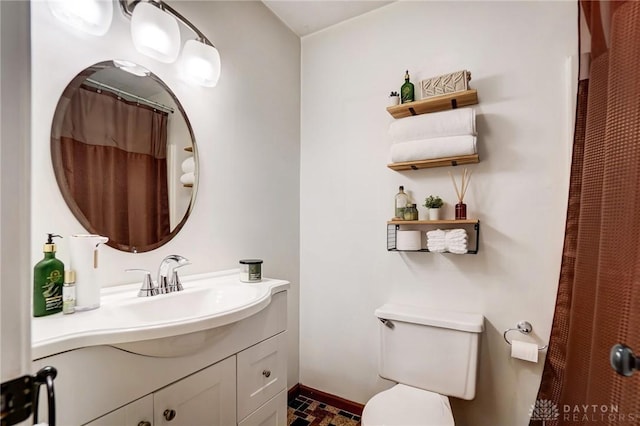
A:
(200, 63)
(154, 32)
(88, 16)
(154, 28)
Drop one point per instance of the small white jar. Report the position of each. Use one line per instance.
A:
(251, 270)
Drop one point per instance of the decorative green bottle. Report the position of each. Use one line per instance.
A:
(407, 90)
(48, 278)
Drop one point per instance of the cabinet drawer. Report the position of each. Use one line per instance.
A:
(136, 413)
(272, 413)
(262, 373)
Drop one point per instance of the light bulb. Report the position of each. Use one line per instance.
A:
(200, 63)
(89, 16)
(155, 33)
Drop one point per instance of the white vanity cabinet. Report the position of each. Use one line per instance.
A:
(262, 383)
(206, 398)
(262, 374)
(272, 413)
(231, 375)
(137, 413)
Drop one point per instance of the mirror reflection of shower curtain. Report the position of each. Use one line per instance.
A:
(114, 160)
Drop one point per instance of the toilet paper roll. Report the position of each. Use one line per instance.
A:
(524, 350)
(408, 240)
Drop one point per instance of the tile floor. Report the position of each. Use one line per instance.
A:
(305, 411)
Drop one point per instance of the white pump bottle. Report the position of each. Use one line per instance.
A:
(83, 250)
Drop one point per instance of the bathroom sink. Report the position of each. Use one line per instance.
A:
(187, 305)
(207, 301)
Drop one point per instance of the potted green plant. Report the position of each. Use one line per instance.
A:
(433, 204)
(394, 98)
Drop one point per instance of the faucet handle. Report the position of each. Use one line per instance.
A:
(147, 289)
(175, 280)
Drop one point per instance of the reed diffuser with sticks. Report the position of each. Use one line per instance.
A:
(461, 207)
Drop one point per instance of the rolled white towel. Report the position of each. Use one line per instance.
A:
(455, 122)
(188, 165)
(187, 178)
(428, 149)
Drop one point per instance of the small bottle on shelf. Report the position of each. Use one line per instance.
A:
(407, 90)
(411, 212)
(401, 201)
(69, 292)
(461, 211)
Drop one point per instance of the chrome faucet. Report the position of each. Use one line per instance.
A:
(148, 287)
(168, 280)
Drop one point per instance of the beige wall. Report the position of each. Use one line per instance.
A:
(517, 54)
(246, 129)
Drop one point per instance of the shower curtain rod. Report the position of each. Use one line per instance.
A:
(117, 91)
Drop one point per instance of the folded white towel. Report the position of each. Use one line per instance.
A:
(455, 234)
(188, 165)
(436, 249)
(462, 244)
(437, 233)
(458, 250)
(455, 122)
(187, 178)
(428, 149)
(436, 241)
(449, 240)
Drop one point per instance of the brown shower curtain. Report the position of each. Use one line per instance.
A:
(598, 302)
(113, 154)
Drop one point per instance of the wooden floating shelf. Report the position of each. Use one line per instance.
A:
(434, 222)
(188, 148)
(187, 185)
(436, 162)
(434, 104)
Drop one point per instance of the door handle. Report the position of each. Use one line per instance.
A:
(623, 360)
(45, 376)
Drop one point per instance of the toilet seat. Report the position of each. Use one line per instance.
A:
(404, 405)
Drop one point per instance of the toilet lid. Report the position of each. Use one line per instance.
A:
(407, 406)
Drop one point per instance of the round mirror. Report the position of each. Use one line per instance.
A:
(124, 155)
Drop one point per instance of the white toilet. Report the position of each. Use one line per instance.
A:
(432, 354)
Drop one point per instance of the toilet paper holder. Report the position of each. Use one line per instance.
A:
(523, 327)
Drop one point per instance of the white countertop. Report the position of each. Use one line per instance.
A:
(207, 301)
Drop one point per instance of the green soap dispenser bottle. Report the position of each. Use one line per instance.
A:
(48, 279)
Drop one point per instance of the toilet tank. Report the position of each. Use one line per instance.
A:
(431, 349)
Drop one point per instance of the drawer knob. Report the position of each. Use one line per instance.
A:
(169, 415)
(266, 373)
(144, 423)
